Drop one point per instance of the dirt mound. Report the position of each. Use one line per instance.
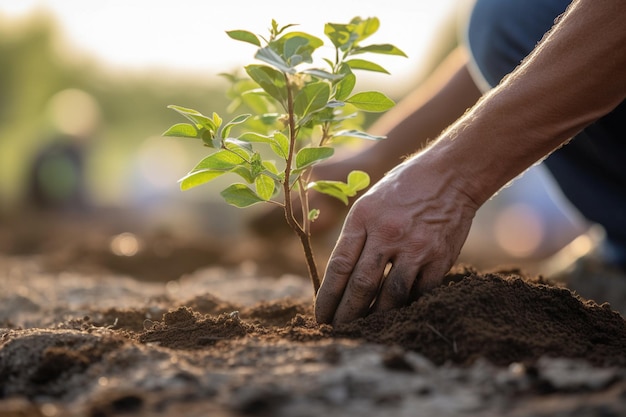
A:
(502, 317)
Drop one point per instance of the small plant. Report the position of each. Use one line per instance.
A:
(301, 112)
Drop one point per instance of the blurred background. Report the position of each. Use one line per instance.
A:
(87, 179)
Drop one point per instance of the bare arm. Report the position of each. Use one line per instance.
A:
(418, 216)
(576, 75)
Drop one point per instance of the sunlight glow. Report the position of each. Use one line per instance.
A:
(190, 35)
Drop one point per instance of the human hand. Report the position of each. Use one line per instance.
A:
(416, 219)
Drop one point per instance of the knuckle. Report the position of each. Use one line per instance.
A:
(339, 265)
(392, 231)
(363, 286)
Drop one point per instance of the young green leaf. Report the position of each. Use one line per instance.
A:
(372, 101)
(296, 44)
(182, 130)
(324, 75)
(270, 56)
(362, 64)
(270, 80)
(244, 36)
(311, 98)
(281, 147)
(386, 49)
(345, 86)
(364, 28)
(237, 120)
(353, 133)
(278, 142)
(196, 117)
(264, 186)
(307, 157)
(335, 189)
(340, 35)
(195, 178)
(313, 214)
(239, 195)
(357, 181)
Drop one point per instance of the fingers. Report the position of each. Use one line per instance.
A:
(362, 287)
(340, 266)
(396, 289)
(431, 276)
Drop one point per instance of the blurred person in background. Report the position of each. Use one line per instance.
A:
(56, 178)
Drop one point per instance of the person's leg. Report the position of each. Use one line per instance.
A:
(589, 170)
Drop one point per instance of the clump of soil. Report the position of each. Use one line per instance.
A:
(502, 317)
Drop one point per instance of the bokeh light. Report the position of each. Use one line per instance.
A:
(519, 230)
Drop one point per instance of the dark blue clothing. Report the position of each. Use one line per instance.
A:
(590, 169)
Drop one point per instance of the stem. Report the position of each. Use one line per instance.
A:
(302, 232)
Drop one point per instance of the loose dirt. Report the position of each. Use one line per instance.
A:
(230, 341)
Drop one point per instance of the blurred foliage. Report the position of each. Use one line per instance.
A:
(132, 107)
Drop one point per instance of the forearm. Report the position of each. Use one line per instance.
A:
(575, 76)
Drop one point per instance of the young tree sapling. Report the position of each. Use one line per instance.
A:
(300, 111)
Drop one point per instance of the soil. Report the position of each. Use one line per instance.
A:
(88, 332)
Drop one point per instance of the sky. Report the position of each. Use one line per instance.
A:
(189, 35)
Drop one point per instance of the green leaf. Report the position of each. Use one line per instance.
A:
(345, 86)
(353, 133)
(335, 189)
(365, 27)
(237, 120)
(264, 186)
(281, 147)
(312, 97)
(256, 165)
(195, 178)
(245, 172)
(244, 36)
(296, 47)
(235, 145)
(372, 101)
(292, 47)
(196, 117)
(270, 80)
(270, 56)
(255, 137)
(278, 142)
(239, 195)
(386, 49)
(313, 214)
(325, 75)
(182, 130)
(256, 100)
(307, 157)
(223, 160)
(357, 181)
(271, 167)
(341, 35)
(363, 64)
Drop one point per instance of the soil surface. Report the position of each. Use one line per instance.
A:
(84, 331)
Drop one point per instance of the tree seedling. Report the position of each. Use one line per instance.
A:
(300, 112)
